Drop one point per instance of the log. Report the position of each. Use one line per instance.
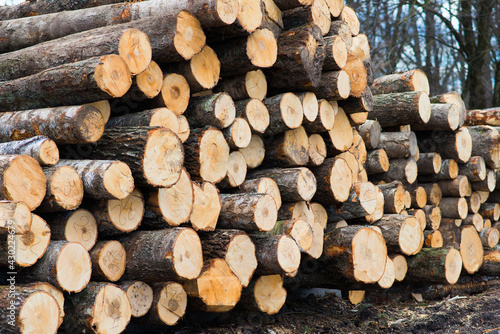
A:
(399, 169)
(236, 171)
(317, 150)
(174, 95)
(474, 169)
(377, 162)
(168, 304)
(349, 15)
(433, 239)
(161, 117)
(251, 85)
(488, 184)
(433, 216)
(490, 211)
(276, 254)
(335, 53)
(64, 189)
(262, 185)
(358, 149)
(310, 106)
(334, 85)
(471, 249)
(27, 310)
(440, 265)
(326, 117)
(320, 214)
(388, 278)
(317, 14)
(140, 296)
(22, 179)
(290, 149)
(489, 237)
(357, 75)
(184, 130)
(370, 131)
(355, 252)
(101, 307)
(265, 295)
(454, 207)
(454, 145)
(217, 289)
(206, 206)
(299, 60)
(300, 231)
(399, 144)
(444, 117)
(104, 108)
(27, 247)
(238, 134)
(341, 135)
(433, 192)
(334, 181)
(41, 148)
(236, 248)
(393, 196)
(316, 249)
(14, 216)
(51, 290)
(285, 112)
(255, 112)
(491, 262)
(108, 260)
(79, 225)
(362, 201)
(448, 171)
(379, 208)
(64, 125)
(65, 264)
(361, 48)
(290, 4)
(249, 212)
(342, 29)
(401, 233)
(452, 98)
(396, 109)
(474, 202)
(355, 105)
(485, 143)
(173, 253)
(458, 187)
(102, 179)
(217, 110)
(419, 214)
(409, 81)
(295, 184)
(400, 266)
(482, 117)
(429, 163)
(474, 219)
(255, 152)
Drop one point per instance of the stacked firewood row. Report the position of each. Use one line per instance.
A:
(165, 156)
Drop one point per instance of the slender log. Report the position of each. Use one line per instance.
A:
(14, 216)
(251, 85)
(334, 85)
(64, 189)
(217, 110)
(441, 265)
(490, 211)
(454, 207)
(482, 117)
(342, 29)
(433, 239)
(326, 117)
(388, 278)
(168, 304)
(474, 219)
(255, 112)
(276, 254)
(474, 202)
(262, 185)
(317, 14)
(349, 15)
(419, 214)
(401, 233)
(289, 149)
(399, 144)
(418, 197)
(399, 169)
(296, 210)
(28, 247)
(108, 260)
(255, 152)
(317, 150)
(300, 231)
(489, 237)
(174, 95)
(335, 53)
(396, 109)
(448, 171)
(162, 117)
(458, 187)
(393, 196)
(370, 131)
(140, 296)
(40, 148)
(238, 134)
(250, 212)
(358, 149)
(454, 145)
(491, 263)
(410, 81)
(474, 169)
(79, 225)
(285, 112)
(334, 181)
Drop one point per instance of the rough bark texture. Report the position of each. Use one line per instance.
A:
(440, 265)
(454, 145)
(396, 109)
(40, 148)
(409, 81)
(399, 144)
(217, 110)
(485, 143)
(334, 181)
(444, 117)
(276, 254)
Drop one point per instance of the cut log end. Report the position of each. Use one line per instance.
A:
(262, 48)
(400, 266)
(205, 67)
(463, 144)
(471, 249)
(172, 303)
(113, 76)
(269, 186)
(189, 36)
(90, 125)
(288, 254)
(134, 47)
(389, 276)
(341, 134)
(206, 206)
(302, 233)
(369, 254)
(411, 171)
(424, 107)
(49, 153)
(118, 180)
(310, 106)
(291, 110)
(269, 293)
(240, 257)
(411, 237)
(349, 15)
(184, 129)
(214, 156)
(225, 110)
(176, 202)
(73, 267)
(111, 310)
(255, 152)
(187, 254)
(126, 214)
(17, 216)
(150, 81)
(256, 84)
(175, 93)
(39, 310)
(104, 108)
(266, 213)
(257, 115)
(321, 16)
(241, 133)
(237, 169)
(66, 188)
(317, 150)
(250, 14)
(112, 259)
(341, 180)
(81, 227)
(32, 245)
(140, 296)
(344, 85)
(227, 11)
(453, 266)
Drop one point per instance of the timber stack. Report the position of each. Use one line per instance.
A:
(166, 156)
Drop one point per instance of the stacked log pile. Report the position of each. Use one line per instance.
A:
(205, 155)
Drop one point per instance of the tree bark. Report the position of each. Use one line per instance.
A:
(355, 105)
(285, 112)
(217, 110)
(483, 117)
(454, 145)
(410, 81)
(79, 225)
(399, 169)
(396, 109)
(447, 171)
(43, 149)
(485, 143)
(334, 181)
(440, 265)
(474, 169)
(14, 216)
(401, 233)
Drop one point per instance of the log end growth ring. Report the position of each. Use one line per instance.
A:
(73, 267)
(112, 311)
(40, 310)
(262, 48)
(134, 47)
(266, 213)
(187, 254)
(369, 255)
(113, 75)
(189, 37)
(205, 67)
(118, 180)
(288, 254)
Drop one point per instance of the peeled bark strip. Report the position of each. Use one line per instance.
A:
(454, 207)
(458, 187)
(355, 252)
(335, 53)
(265, 295)
(14, 216)
(362, 201)
(370, 131)
(334, 181)
(443, 117)
(334, 85)
(252, 85)
(317, 150)
(140, 296)
(325, 119)
(40, 148)
(170, 253)
(22, 179)
(357, 74)
(64, 125)
(410, 81)
(405, 170)
(454, 145)
(66, 265)
(295, 184)
(285, 112)
(108, 261)
(26, 310)
(402, 233)
(396, 109)
(276, 254)
(429, 163)
(341, 135)
(103, 178)
(299, 61)
(216, 289)
(206, 206)
(441, 265)
(471, 249)
(100, 307)
(217, 110)
(250, 212)
(393, 196)
(255, 152)
(29, 247)
(64, 189)
(399, 144)
(317, 14)
(236, 248)
(168, 304)
(485, 143)
(78, 225)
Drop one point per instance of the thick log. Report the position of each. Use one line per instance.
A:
(79, 225)
(171, 254)
(400, 266)
(295, 184)
(290, 149)
(393, 196)
(483, 117)
(399, 144)
(64, 189)
(401, 233)
(140, 296)
(14, 216)
(66, 265)
(255, 112)
(101, 307)
(489, 237)
(276, 254)
(429, 163)
(325, 118)
(444, 117)
(255, 152)
(488, 184)
(217, 289)
(103, 179)
(317, 150)
(454, 145)
(357, 75)
(317, 14)
(458, 187)
(299, 60)
(471, 249)
(396, 109)
(341, 135)
(236, 171)
(335, 53)
(27, 247)
(334, 181)
(251, 85)
(370, 131)
(250, 212)
(27, 309)
(108, 260)
(285, 112)
(441, 265)
(485, 143)
(355, 252)
(64, 125)
(41, 148)
(474, 169)
(362, 201)
(334, 85)
(399, 169)
(51, 290)
(236, 248)
(491, 262)
(206, 206)
(410, 81)
(452, 98)
(355, 105)
(217, 110)
(266, 295)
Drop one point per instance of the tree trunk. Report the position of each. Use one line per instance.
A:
(108, 261)
(276, 254)
(317, 150)
(140, 296)
(401, 233)
(217, 110)
(334, 85)
(251, 85)
(399, 144)
(206, 206)
(405, 170)
(452, 98)
(285, 112)
(490, 211)
(393, 196)
(317, 14)
(454, 207)
(289, 149)
(458, 187)
(64, 189)
(44, 150)
(396, 109)
(334, 181)
(161, 117)
(483, 117)
(454, 145)
(410, 81)
(440, 265)
(79, 225)
(15, 217)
